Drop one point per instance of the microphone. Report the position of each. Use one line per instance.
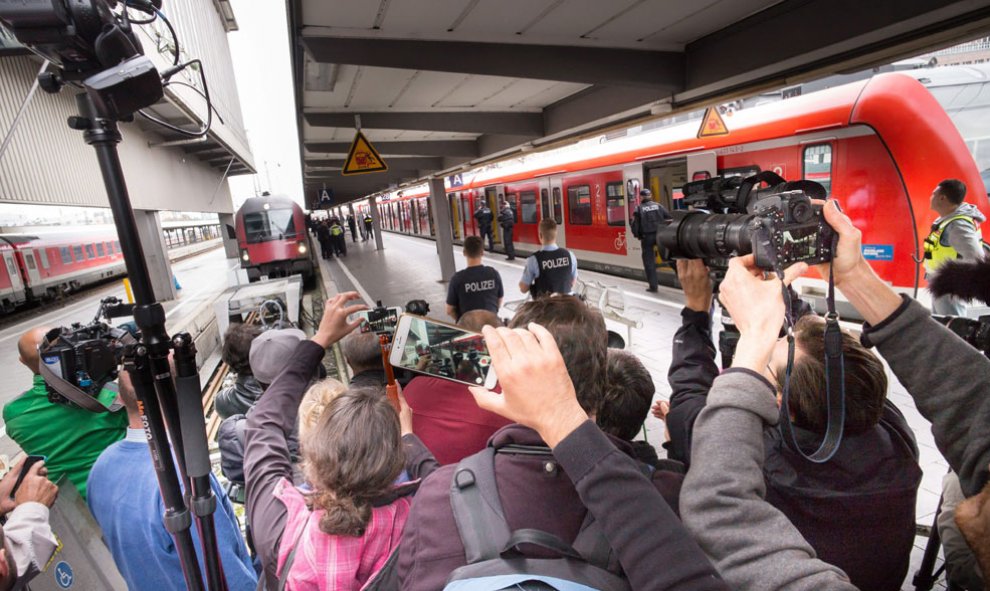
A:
(966, 280)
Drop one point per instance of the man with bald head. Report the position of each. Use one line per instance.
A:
(70, 437)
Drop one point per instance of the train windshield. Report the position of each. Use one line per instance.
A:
(272, 224)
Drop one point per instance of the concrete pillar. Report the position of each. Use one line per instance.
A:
(441, 222)
(149, 226)
(376, 222)
(350, 209)
(229, 239)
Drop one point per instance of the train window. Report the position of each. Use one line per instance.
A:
(558, 206)
(544, 204)
(78, 253)
(109, 247)
(818, 165)
(528, 207)
(90, 253)
(579, 205)
(615, 202)
(44, 257)
(272, 224)
(29, 259)
(66, 253)
(99, 250)
(116, 245)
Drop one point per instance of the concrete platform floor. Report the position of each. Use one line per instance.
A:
(409, 269)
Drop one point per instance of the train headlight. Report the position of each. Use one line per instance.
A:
(244, 256)
(302, 248)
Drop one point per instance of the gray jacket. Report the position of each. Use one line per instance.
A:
(963, 236)
(722, 502)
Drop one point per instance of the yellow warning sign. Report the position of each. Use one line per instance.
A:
(363, 158)
(712, 124)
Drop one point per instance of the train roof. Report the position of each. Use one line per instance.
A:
(256, 204)
(61, 237)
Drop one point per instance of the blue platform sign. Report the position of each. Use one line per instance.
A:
(878, 252)
(63, 575)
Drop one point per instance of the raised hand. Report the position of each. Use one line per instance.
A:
(334, 325)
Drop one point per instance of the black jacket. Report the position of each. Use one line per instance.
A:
(507, 217)
(857, 510)
(239, 398)
(484, 217)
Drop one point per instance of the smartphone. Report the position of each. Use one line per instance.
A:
(377, 320)
(30, 461)
(442, 350)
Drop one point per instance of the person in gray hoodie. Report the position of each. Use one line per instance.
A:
(955, 235)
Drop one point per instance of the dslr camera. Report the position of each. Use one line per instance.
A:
(85, 356)
(729, 217)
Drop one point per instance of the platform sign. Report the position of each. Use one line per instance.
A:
(712, 124)
(363, 158)
(455, 180)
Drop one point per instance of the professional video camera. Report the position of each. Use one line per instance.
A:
(83, 358)
(731, 216)
(975, 332)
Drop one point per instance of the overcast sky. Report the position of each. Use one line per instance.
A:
(260, 51)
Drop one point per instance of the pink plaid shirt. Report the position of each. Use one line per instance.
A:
(336, 563)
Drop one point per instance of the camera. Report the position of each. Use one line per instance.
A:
(85, 356)
(779, 224)
(975, 332)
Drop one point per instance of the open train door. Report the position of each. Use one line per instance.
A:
(632, 174)
(12, 272)
(701, 166)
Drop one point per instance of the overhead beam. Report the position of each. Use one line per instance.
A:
(660, 70)
(488, 122)
(849, 35)
(407, 162)
(466, 148)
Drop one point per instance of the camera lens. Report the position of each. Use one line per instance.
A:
(697, 235)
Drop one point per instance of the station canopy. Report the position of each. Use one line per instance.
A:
(441, 85)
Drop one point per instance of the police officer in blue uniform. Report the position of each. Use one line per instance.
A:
(551, 269)
(648, 218)
(484, 217)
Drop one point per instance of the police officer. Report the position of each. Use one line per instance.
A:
(477, 286)
(551, 269)
(955, 235)
(507, 219)
(326, 243)
(646, 221)
(352, 224)
(338, 238)
(369, 226)
(483, 215)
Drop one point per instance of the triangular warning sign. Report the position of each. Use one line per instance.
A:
(712, 124)
(363, 158)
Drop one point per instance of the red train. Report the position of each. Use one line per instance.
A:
(41, 267)
(880, 146)
(271, 235)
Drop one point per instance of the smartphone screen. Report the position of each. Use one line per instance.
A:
(443, 351)
(378, 320)
(30, 461)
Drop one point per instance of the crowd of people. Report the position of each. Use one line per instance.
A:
(542, 482)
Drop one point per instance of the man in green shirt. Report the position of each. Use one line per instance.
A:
(71, 438)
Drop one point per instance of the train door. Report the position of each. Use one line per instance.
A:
(702, 166)
(492, 199)
(632, 174)
(665, 179)
(468, 214)
(455, 215)
(557, 209)
(31, 264)
(11, 265)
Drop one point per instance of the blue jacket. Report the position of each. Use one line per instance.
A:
(124, 499)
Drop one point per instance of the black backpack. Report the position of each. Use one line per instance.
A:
(492, 550)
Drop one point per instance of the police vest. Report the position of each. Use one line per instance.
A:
(649, 217)
(937, 253)
(555, 272)
(368, 220)
(336, 230)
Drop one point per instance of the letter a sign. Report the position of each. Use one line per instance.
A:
(712, 124)
(363, 158)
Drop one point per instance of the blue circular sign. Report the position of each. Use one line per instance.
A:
(63, 575)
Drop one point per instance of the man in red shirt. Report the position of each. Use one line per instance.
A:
(445, 416)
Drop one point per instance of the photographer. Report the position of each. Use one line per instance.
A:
(71, 437)
(26, 540)
(245, 392)
(858, 509)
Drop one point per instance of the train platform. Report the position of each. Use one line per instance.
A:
(408, 268)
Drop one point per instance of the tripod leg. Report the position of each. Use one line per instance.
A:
(924, 580)
(177, 518)
(203, 501)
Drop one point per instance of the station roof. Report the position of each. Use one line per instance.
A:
(439, 85)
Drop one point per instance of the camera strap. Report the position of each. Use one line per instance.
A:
(77, 396)
(834, 382)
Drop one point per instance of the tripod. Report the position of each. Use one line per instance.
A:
(170, 410)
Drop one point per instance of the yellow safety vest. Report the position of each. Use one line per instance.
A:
(937, 253)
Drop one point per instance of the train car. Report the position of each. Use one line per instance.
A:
(44, 266)
(271, 236)
(880, 146)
